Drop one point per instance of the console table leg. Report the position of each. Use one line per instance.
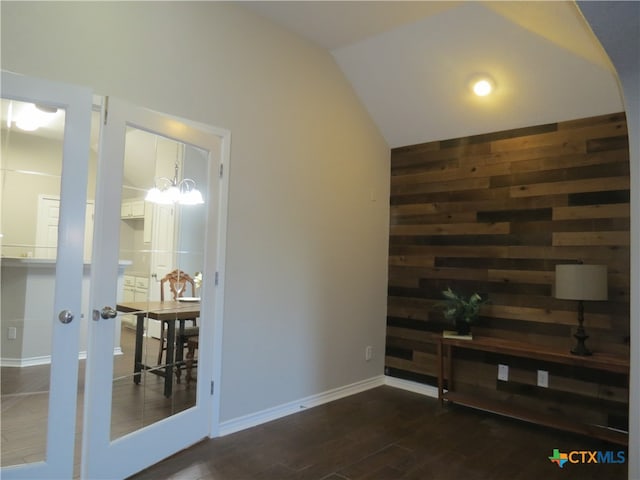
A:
(440, 374)
(449, 368)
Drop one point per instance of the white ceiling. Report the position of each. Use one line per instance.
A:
(410, 62)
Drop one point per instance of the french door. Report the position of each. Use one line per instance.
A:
(55, 307)
(136, 417)
(41, 293)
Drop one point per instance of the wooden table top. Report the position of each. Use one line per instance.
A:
(599, 360)
(167, 310)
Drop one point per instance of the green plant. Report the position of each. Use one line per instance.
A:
(459, 310)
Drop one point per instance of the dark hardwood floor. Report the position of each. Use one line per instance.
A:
(386, 433)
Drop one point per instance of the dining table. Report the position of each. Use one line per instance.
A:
(170, 312)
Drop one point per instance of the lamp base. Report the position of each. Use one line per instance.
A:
(580, 335)
(581, 348)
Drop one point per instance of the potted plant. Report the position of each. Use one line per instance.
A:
(460, 311)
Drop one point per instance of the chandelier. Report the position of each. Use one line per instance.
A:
(169, 191)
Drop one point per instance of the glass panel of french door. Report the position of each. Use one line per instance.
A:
(156, 240)
(141, 406)
(43, 189)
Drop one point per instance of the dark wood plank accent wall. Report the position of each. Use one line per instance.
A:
(494, 214)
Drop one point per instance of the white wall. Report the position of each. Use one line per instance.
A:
(617, 26)
(23, 152)
(307, 245)
(20, 190)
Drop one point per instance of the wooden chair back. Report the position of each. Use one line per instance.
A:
(172, 278)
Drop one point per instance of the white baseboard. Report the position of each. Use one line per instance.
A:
(25, 362)
(254, 419)
(415, 387)
(43, 360)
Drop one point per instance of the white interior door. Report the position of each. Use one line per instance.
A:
(38, 294)
(132, 140)
(47, 228)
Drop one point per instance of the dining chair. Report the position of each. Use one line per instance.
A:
(177, 281)
(192, 346)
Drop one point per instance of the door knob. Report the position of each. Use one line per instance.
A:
(108, 312)
(65, 316)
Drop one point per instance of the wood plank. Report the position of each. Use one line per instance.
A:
(479, 205)
(402, 364)
(521, 276)
(413, 209)
(457, 217)
(565, 253)
(615, 210)
(451, 229)
(443, 175)
(542, 158)
(597, 120)
(557, 174)
(560, 137)
(485, 138)
(571, 186)
(402, 311)
(540, 315)
(411, 334)
(411, 261)
(446, 186)
(563, 239)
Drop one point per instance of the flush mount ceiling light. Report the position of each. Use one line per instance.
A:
(169, 191)
(32, 116)
(482, 85)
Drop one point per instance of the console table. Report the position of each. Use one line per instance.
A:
(597, 361)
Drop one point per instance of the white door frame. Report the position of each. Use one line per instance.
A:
(77, 102)
(103, 458)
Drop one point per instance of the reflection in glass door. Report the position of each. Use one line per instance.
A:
(163, 247)
(43, 179)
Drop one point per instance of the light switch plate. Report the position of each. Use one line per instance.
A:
(503, 372)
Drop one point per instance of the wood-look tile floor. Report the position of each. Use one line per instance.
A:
(25, 396)
(385, 434)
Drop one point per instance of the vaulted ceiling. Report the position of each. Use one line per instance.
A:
(410, 63)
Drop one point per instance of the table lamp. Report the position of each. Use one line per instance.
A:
(581, 282)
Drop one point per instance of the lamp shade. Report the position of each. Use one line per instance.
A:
(581, 282)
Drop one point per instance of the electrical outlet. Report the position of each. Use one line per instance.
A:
(543, 378)
(503, 372)
(368, 353)
(12, 333)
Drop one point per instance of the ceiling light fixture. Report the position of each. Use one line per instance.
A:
(482, 85)
(169, 191)
(32, 117)
(482, 88)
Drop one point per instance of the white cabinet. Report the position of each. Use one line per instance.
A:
(128, 290)
(135, 289)
(135, 210)
(132, 209)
